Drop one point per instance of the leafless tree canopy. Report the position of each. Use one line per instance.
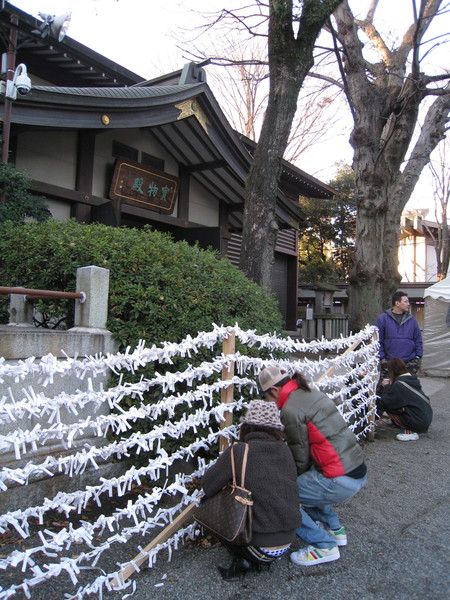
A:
(399, 109)
(386, 89)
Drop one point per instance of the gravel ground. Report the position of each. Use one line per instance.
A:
(398, 530)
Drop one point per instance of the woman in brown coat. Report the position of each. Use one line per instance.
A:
(271, 476)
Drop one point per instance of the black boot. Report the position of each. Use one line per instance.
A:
(262, 567)
(237, 570)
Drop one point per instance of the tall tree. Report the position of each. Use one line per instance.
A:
(293, 30)
(344, 220)
(385, 96)
(326, 246)
(316, 243)
(243, 84)
(386, 90)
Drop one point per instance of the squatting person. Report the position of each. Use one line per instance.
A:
(330, 463)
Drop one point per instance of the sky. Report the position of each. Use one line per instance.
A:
(138, 34)
(143, 36)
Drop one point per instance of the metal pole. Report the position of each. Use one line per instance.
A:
(42, 293)
(7, 108)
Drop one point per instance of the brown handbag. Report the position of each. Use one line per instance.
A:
(228, 514)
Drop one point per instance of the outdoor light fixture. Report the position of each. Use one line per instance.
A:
(17, 80)
(19, 84)
(53, 25)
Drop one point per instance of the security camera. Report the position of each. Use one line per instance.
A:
(23, 85)
(22, 81)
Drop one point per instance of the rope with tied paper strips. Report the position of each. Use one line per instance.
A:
(350, 390)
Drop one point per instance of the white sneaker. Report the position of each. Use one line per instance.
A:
(306, 557)
(340, 536)
(407, 436)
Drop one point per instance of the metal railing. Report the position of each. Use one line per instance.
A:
(91, 305)
(31, 293)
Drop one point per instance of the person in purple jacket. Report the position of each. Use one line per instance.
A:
(400, 337)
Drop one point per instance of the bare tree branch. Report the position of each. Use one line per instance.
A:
(326, 78)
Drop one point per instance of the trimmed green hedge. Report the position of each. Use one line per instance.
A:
(17, 204)
(159, 289)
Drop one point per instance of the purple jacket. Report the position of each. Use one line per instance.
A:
(399, 341)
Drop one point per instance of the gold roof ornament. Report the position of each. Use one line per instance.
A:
(191, 108)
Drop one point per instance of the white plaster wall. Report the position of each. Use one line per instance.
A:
(412, 259)
(419, 265)
(404, 259)
(55, 163)
(60, 210)
(50, 157)
(431, 273)
(203, 208)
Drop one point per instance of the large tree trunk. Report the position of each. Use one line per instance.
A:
(260, 226)
(290, 59)
(385, 109)
(381, 200)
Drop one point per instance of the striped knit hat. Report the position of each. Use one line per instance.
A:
(262, 412)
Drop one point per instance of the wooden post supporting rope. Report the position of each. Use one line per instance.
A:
(372, 398)
(227, 394)
(165, 534)
(372, 401)
(331, 369)
(229, 345)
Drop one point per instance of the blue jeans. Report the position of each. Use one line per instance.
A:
(317, 495)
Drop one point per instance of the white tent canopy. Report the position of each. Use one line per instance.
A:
(440, 290)
(436, 329)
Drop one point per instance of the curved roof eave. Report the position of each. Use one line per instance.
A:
(67, 60)
(294, 177)
(320, 188)
(140, 107)
(79, 107)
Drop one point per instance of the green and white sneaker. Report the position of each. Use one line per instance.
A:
(340, 536)
(309, 556)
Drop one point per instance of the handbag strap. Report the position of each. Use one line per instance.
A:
(410, 387)
(244, 466)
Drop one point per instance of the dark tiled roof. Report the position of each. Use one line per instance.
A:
(126, 93)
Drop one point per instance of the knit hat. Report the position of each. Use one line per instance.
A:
(270, 376)
(262, 412)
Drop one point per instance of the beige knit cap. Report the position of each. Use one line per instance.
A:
(262, 412)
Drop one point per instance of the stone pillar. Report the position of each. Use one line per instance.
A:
(93, 312)
(20, 311)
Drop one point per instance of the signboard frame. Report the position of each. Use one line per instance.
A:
(144, 186)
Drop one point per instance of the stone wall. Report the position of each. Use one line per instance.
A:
(19, 341)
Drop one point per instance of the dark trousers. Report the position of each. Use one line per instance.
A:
(413, 367)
